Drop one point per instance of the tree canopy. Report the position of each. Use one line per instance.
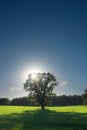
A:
(40, 86)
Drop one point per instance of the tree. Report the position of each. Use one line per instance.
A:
(40, 86)
(84, 96)
(4, 101)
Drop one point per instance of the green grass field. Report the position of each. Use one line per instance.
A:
(33, 118)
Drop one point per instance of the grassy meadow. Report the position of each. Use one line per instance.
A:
(33, 118)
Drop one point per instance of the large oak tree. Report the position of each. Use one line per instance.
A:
(40, 86)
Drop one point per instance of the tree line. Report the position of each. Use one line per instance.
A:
(62, 100)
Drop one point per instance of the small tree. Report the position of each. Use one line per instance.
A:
(40, 86)
(84, 96)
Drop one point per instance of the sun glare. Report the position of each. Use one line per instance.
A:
(34, 75)
(33, 71)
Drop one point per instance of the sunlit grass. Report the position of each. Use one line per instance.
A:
(33, 118)
(4, 110)
(76, 109)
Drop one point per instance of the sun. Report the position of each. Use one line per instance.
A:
(34, 76)
(31, 70)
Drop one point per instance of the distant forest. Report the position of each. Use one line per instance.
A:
(63, 100)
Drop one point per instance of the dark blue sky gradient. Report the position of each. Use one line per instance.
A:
(51, 34)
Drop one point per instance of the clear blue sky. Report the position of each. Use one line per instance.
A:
(50, 35)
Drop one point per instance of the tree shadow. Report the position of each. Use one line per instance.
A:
(44, 120)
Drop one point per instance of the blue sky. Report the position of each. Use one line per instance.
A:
(44, 35)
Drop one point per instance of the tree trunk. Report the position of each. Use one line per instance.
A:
(42, 107)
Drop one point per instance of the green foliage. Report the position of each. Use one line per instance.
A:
(4, 101)
(65, 100)
(22, 101)
(41, 87)
(85, 102)
(53, 118)
(84, 96)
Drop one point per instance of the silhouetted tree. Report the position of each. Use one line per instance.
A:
(40, 86)
(84, 96)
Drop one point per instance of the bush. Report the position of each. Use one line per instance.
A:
(85, 102)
